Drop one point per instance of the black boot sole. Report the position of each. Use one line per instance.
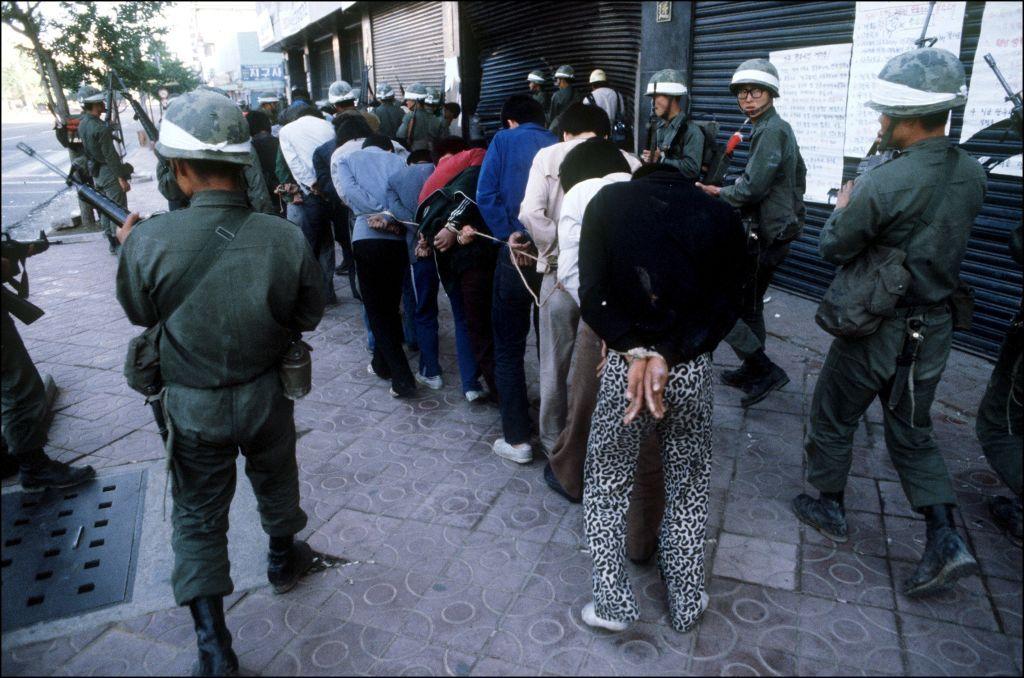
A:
(775, 386)
(839, 539)
(734, 383)
(946, 578)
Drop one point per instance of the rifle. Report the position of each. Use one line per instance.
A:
(90, 195)
(1017, 114)
(140, 113)
(17, 251)
(718, 176)
(113, 117)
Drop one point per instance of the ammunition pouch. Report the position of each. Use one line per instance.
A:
(142, 364)
(863, 293)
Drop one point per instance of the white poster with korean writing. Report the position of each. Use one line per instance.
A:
(882, 30)
(1001, 27)
(813, 83)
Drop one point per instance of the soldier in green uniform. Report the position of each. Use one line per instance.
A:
(892, 206)
(1001, 415)
(535, 81)
(220, 349)
(253, 183)
(388, 112)
(676, 143)
(420, 127)
(769, 195)
(109, 173)
(25, 397)
(563, 98)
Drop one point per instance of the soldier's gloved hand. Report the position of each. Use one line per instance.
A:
(126, 228)
(125, 186)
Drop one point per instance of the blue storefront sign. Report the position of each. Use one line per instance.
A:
(272, 72)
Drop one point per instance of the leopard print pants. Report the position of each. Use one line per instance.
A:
(612, 449)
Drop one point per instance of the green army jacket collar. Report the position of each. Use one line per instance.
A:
(930, 145)
(219, 199)
(766, 117)
(672, 125)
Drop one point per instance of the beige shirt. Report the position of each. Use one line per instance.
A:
(542, 202)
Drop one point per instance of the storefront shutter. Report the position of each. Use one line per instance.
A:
(407, 43)
(515, 38)
(727, 33)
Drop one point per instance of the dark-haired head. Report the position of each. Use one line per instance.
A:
(300, 93)
(258, 122)
(647, 170)
(349, 127)
(592, 159)
(580, 118)
(310, 110)
(379, 141)
(521, 109)
(421, 155)
(453, 109)
(447, 146)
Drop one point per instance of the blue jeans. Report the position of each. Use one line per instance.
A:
(408, 309)
(469, 370)
(424, 292)
(511, 311)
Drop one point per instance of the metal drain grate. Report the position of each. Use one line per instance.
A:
(69, 551)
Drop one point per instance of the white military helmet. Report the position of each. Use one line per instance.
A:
(598, 75)
(416, 92)
(759, 72)
(341, 91)
(667, 81)
(385, 92)
(919, 82)
(535, 76)
(565, 72)
(433, 96)
(88, 94)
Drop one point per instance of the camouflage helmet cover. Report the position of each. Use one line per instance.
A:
(535, 76)
(433, 96)
(87, 94)
(202, 125)
(215, 90)
(385, 92)
(341, 91)
(668, 81)
(919, 82)
(565, 72)
(416, 92)
(759, 72)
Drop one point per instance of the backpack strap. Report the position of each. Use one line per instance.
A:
(937, 198)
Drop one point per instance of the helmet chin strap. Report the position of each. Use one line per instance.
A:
(759, 110)
(885, 142)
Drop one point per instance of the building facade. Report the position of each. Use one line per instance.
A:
(481, 52)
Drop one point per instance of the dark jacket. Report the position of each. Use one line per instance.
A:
(322, 168)
(456, 202)
(662, 266)
(266, 146)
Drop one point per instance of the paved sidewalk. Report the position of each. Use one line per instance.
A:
(468, 564)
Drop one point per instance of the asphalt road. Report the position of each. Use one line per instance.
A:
(26, 183)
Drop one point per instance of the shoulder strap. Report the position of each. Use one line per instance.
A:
(937, 198)
(590, 99)
(202, 264)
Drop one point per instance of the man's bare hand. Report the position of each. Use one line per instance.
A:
(422, 250)
(655, 379)
(377, 222)
(843, 198)
(713, 191)
(604, 358)
(444, 240)
(126, 229)
(466, 235)
(520, 247)
(125, 186)
(634, 390)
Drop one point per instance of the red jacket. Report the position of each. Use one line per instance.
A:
(451, 167)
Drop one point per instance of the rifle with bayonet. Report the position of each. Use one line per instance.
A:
(1017, 114)
(140, 113)
(16, 252)
(105, 205)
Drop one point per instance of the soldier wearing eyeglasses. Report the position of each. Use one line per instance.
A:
(769, 195)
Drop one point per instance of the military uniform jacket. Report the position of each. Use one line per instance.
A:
(886, 203)
(562, 99)
(98, 146)
(263, 286)
(542, 98)
(681, 148)
(390, 117)
(253, 181)
(426, 129)
(771, 189)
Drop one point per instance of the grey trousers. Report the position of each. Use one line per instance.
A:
(559, 318)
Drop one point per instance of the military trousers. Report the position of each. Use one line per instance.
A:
(856, 371)
(22, 397)
(210, 426)
(748, 335)
(107, 183)
(1000, 423)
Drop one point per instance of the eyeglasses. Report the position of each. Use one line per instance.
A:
(754, 92)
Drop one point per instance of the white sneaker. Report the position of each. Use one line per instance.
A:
(520, 454)
(590, 618)
(433, 383)
(369, 371)
(479, 394)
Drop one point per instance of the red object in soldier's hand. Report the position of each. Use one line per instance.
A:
(735, 140)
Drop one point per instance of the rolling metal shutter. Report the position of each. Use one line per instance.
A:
(515, 38)
(407, 43)
(727, 33)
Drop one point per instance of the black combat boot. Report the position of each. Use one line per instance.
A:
(826, 514)
(1006, 514)
(113, 246)
(40, 473)
(946, 558)
(287, 561)
(740, 377)
(767, 377)
(216, 658)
